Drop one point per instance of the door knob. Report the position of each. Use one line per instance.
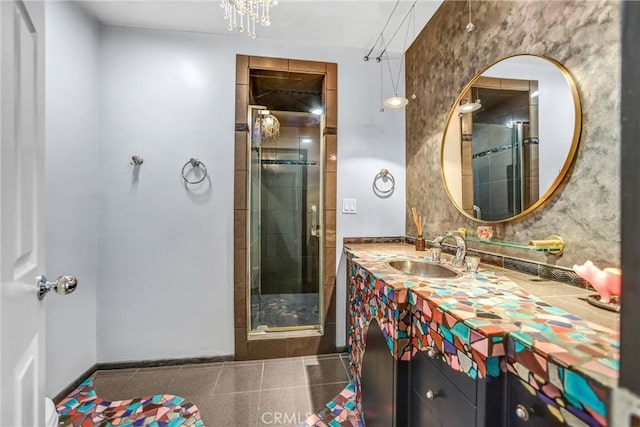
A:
(431, 394)
(63, 285)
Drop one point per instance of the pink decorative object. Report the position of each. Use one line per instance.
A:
(607, 282)
(484, 232)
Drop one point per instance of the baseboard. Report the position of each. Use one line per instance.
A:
(163, 362)
(68, 389)
(136, 364)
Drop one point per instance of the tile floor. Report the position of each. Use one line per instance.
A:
(275, 392)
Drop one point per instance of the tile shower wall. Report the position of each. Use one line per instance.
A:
(492, 172)
(282, 195)
(289, 256)
(584, 36)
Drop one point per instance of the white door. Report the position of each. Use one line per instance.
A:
(21, 224)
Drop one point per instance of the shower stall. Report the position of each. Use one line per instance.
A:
(285, 249)
(286, 211)
(504, 154)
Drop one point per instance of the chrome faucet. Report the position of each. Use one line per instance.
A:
(461, 245)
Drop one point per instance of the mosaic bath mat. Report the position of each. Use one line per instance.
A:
(83, 408)
(340, 412)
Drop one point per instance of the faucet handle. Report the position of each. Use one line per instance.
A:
(436, 251)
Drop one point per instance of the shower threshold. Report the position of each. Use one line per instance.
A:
(286, 332)
(287, 328)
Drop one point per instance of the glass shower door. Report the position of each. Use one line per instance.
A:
(285, 217)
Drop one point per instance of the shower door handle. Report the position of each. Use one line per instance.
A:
(477, 212)
(314, 220)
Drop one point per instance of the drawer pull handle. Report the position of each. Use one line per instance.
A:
(431, 394)
(432, 352)
(522, 413)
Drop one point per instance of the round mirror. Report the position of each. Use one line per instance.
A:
(510, 138)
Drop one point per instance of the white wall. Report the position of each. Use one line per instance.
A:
(71, 203)
(166, 251)
(368, 141)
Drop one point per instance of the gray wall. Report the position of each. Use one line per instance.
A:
(71, 132)
(166, 251)
(584, 36)
(164, 268)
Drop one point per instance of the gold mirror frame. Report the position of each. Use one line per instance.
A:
(570, 155)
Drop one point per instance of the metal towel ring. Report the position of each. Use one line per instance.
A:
(384, 173)
(195, 163)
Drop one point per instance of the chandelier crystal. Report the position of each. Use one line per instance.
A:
(266, 128)
(243, 14)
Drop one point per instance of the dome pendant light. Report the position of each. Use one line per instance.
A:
(395, 101)
(470, 107)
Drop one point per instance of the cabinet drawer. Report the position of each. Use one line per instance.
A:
(526, 409)
(436, 400)
(443, 411)
(463, 382)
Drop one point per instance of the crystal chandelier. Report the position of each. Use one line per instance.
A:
(266, 129)
(243, 14)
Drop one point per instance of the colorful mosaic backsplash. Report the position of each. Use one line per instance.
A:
(84, 408)
(340, 412)
(478, 319)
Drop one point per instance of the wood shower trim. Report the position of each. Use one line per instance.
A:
(283, 347)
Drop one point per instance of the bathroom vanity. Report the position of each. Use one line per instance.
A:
(473, 350)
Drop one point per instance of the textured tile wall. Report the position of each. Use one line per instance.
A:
(582, 35)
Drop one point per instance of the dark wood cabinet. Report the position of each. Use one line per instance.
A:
(384, 383)
(443, 397)
(525, 409)
(436, 401)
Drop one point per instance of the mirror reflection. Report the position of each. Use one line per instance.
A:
(510, 138)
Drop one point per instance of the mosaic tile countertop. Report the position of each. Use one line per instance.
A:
(496, 307)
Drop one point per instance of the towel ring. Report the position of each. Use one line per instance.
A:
(384, 173)
(195, 163)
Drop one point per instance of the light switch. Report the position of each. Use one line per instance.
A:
(348, 206)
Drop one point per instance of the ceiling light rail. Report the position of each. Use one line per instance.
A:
(384, 50)
(366, 57)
